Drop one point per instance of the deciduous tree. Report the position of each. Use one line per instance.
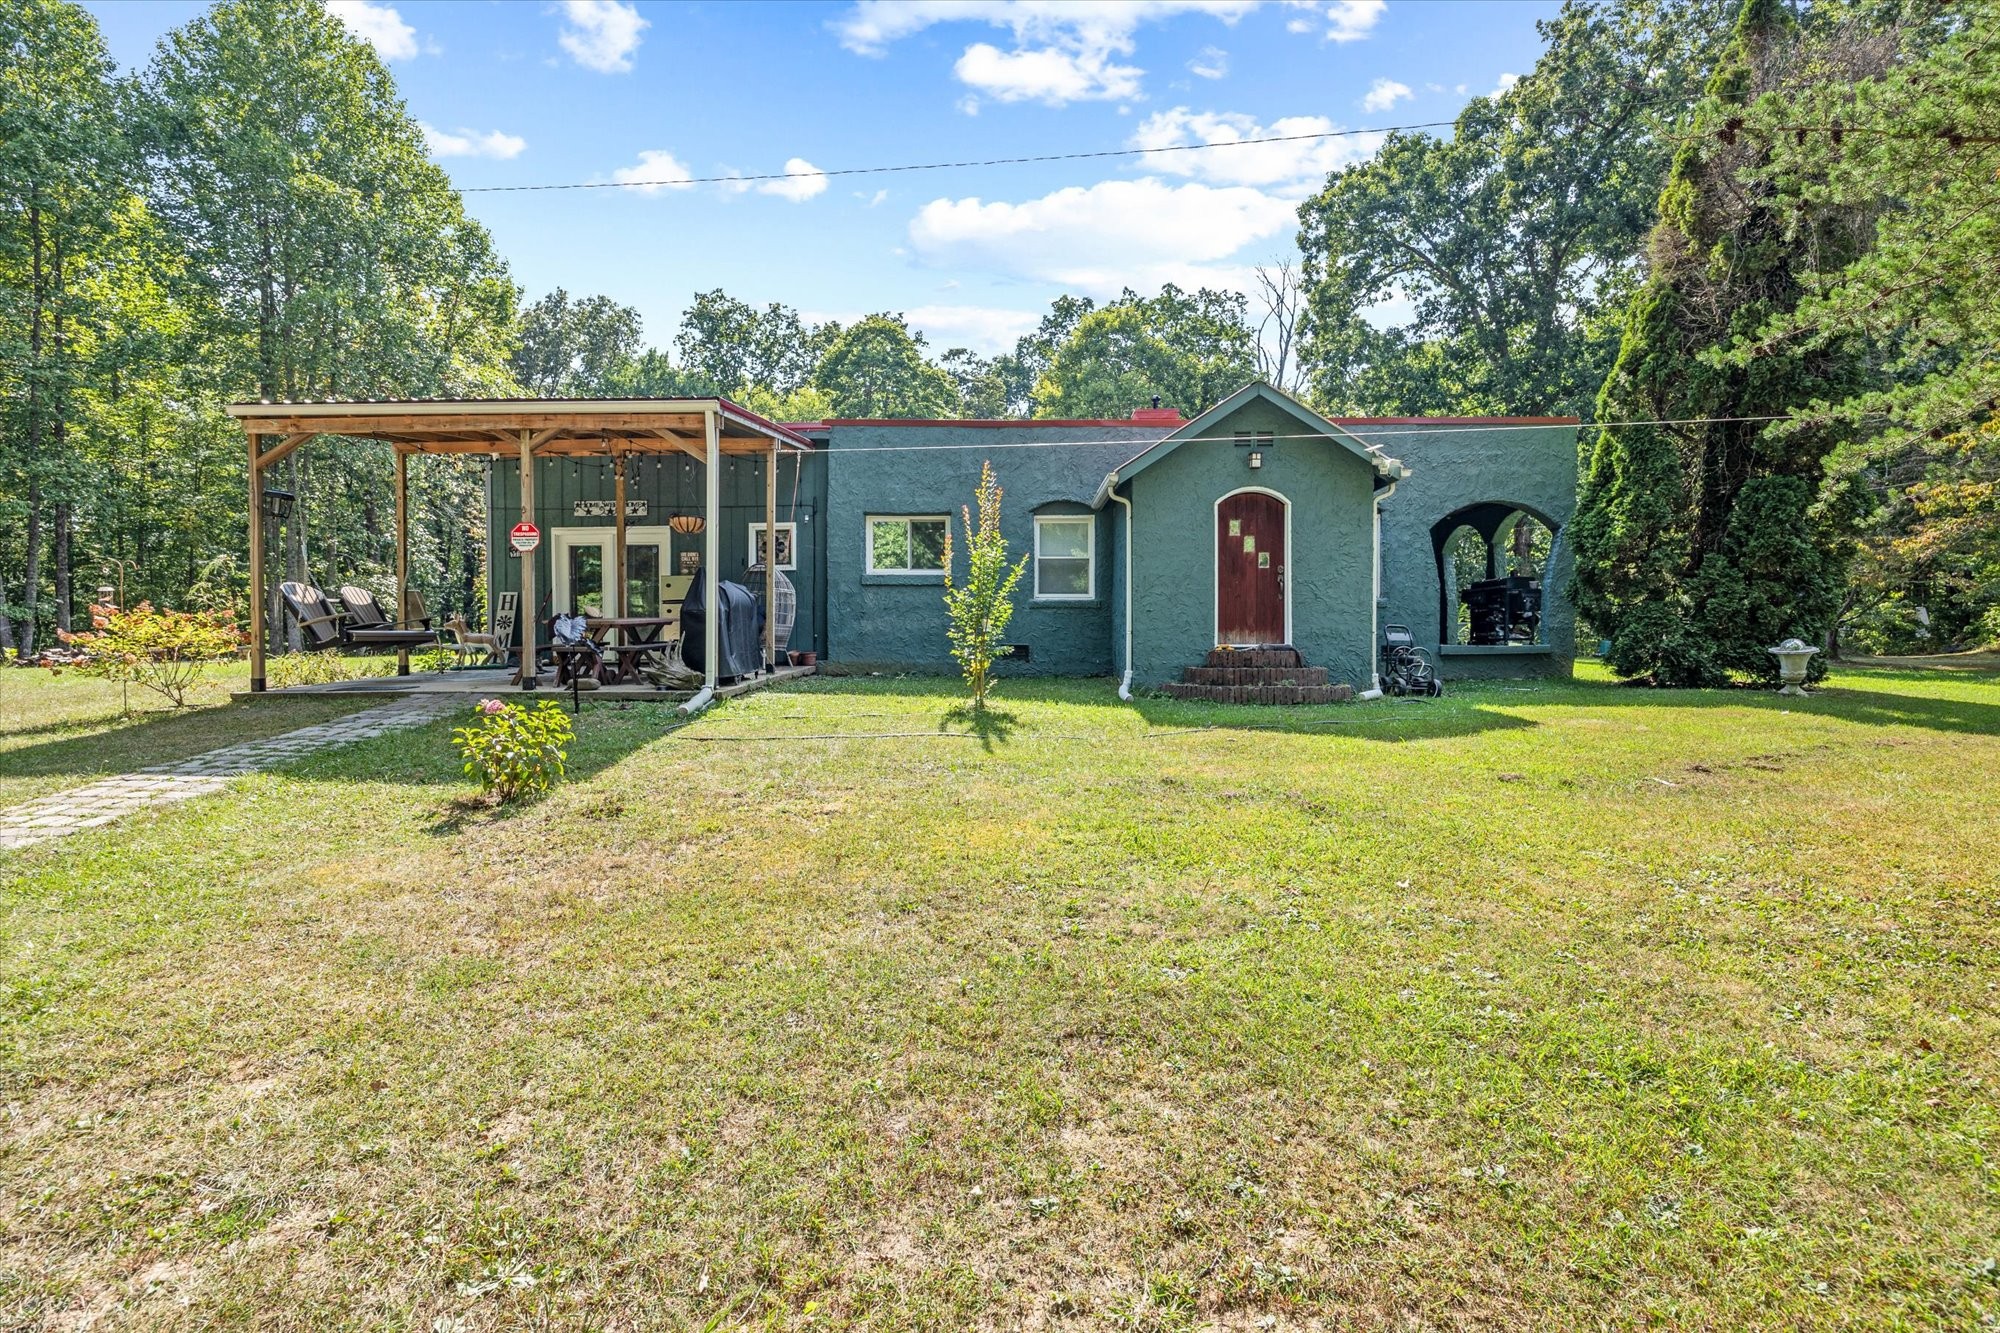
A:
(62, 186)
(1191, 350)
(574, 347)
(1514, 241)
(876, 368)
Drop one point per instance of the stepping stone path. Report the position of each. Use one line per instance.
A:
(99, 803)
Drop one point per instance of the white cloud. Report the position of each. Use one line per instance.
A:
(1346, 20)
(1049, 76)
(471, 143)
(871, 25)
(1101, 238)
(601, 34)
(1507, 82)
(803, 181)
(378, 25)
(984, 329)
(1290, 170)
(1212, 63)
(1063, 50)
(1351, 20)
(1385, 93)
(657, 170)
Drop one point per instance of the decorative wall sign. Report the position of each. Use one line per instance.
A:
(606, 508)
(690, 562)
(787, 545)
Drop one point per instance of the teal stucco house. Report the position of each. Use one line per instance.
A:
(1152, 540)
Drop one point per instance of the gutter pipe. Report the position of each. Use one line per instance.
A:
(1125, 686)
(1375, 605)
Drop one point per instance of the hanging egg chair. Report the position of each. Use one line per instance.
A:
(783, 615)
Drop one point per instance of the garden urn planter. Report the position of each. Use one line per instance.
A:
(1792, 655)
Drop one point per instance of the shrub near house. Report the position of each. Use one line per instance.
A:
(161, 650)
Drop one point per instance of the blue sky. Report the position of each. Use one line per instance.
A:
(598, 90)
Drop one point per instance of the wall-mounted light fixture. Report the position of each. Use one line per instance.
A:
(1256, 459)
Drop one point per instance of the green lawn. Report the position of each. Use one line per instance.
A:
(1540, 1006)
(64, 730)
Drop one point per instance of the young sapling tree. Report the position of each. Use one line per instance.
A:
(980, 607)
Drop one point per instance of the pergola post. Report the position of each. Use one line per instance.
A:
(527, 563)
(711, 551)
(618, 531)
(771, 561)
(256, 567)
(402, 554)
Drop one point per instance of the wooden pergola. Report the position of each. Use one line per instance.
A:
(704, 429)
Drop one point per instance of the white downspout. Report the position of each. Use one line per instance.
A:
(1375, 605)
(1125, 686)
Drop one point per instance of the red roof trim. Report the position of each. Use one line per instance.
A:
(1456, 421)
(1127, 423)
(1009, 423)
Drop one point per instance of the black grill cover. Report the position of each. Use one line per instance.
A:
(742, 630)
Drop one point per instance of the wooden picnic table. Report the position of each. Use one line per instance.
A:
(639, 637)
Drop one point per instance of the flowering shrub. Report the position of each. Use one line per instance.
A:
(162, 650)
(513, 751)
(978, 610)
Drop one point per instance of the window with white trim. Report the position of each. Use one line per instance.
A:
(1065, 557)
(788, 545)
(906, 543)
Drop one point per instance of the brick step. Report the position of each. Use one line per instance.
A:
(1254, 657)
(1253, 675)
(1262, 694)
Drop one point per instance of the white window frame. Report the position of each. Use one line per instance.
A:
(868, 523)
(791, 529)
(1089, 557)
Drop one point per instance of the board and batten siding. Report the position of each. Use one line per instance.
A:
(670, 484)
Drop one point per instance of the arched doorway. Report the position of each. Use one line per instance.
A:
(1491, 559)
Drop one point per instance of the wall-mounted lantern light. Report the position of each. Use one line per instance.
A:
(1256, 459)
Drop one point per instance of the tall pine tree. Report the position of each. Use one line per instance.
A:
(1700, 545)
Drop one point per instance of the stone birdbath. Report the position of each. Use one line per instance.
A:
(1792, 655)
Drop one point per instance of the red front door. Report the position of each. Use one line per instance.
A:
(1250, 569)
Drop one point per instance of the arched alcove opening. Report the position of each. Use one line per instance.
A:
(1491, 558)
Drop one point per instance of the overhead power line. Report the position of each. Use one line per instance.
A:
(1364, 432)
(948, 166)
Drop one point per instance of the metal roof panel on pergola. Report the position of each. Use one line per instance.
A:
(527, 428)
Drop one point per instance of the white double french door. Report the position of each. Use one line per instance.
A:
(583, 557)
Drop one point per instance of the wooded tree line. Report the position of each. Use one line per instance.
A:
(1685, 210)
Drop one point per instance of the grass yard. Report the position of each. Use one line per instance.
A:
(1550, 1006)
(64, 730)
